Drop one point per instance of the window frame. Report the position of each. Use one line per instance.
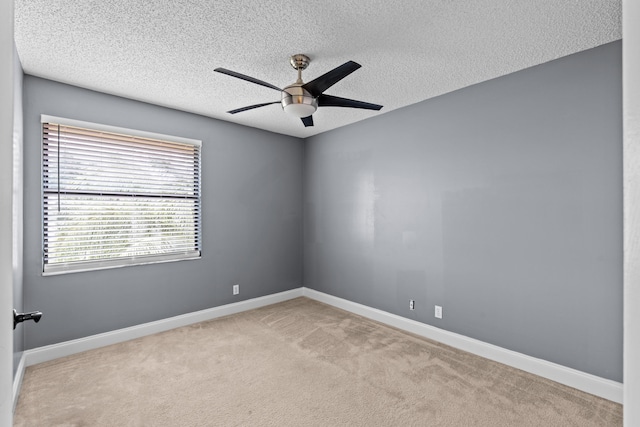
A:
(83, 266)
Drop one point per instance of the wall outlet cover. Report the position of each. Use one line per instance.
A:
(438, 312)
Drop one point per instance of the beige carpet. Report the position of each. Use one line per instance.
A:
(297, 363)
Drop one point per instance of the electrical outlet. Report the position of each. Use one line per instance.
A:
(236, 289)
(412, 304)
(438, 312)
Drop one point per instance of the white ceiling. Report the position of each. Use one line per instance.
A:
(165, 52)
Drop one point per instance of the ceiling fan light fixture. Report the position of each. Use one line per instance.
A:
(300, 109)
(298, 102)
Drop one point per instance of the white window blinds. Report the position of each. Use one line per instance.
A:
(113, 198)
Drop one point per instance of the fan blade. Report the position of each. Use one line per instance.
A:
(247, 78)
(325, 81)
(335, 101)
(308, 121)
(251, 107)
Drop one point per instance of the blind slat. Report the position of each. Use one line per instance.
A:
(105, 154)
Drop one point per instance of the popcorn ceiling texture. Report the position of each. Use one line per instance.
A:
(165, 52)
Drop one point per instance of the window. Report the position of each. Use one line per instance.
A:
(113, 197)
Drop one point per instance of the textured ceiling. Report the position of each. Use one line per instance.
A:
(165, 52)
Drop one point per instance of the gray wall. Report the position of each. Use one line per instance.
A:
(252, 221)
(501, 202)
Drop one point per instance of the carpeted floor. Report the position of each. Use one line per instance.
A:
(297, 363)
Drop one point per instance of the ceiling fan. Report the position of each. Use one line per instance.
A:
(302, 99)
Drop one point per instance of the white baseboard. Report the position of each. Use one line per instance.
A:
(54, 351)
(607, 389)
(17, 381)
